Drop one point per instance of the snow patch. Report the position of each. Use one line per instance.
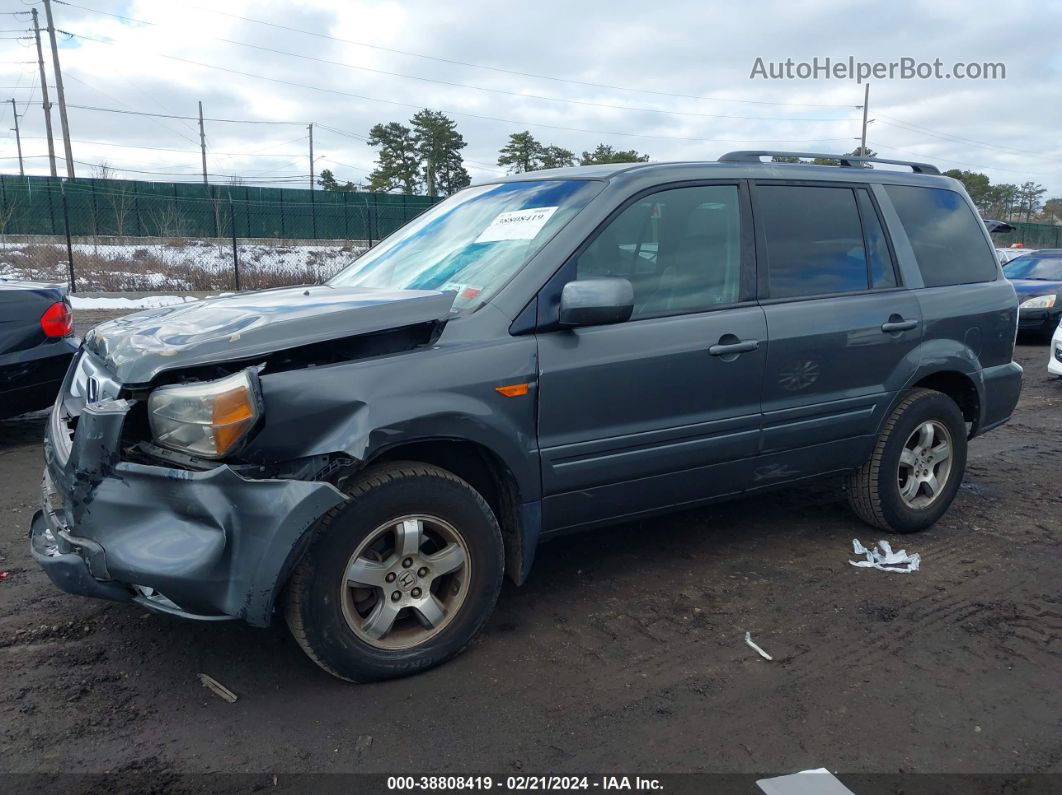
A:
(147, 302)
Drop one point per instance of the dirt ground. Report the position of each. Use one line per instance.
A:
(624, 652)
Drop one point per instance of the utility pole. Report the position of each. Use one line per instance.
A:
(18, 139)
(313, 206)
(44, 94)
(866, 106)
(59, 91)
(310, 128)
(202, 141)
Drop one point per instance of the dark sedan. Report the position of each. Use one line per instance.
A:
(36, 345)
(1037, 279)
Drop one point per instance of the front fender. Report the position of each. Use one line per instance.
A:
(445, 392)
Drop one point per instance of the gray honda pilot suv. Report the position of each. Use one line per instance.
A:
(548, 352)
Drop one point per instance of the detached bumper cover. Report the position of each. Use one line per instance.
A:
(211, 544)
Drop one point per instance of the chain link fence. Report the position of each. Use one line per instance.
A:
(117, 235)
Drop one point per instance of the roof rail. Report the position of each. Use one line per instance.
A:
(847, 161)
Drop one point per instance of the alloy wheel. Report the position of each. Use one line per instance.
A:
(925, 465)
(405, 582)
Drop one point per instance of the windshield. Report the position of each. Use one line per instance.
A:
(473, 242)
(1032, 267)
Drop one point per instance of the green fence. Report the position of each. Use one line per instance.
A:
(1031, 236)
(128, 208)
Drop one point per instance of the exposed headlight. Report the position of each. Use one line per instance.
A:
(206, 419)
(1039, 302)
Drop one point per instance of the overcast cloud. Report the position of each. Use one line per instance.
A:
(1009, 128)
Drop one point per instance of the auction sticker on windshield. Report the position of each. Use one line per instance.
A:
(516, 225)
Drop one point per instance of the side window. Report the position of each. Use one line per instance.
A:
(679, 248)
(947, 239)
(882, 272)
(814, 240)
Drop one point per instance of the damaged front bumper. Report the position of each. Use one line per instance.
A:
(205, 545)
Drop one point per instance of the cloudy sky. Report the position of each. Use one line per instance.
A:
(671, 79)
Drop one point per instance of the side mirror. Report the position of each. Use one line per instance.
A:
(595, 302)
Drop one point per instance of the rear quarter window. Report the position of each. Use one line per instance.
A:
(945, 235)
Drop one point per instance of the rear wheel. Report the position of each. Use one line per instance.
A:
(401, 578)
(912, 476)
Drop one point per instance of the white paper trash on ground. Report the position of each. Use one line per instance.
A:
(884, 558)
(807, 782)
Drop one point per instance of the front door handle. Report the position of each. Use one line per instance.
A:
(892, 326)
(733, 348)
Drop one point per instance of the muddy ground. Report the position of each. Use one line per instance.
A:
(624, 652)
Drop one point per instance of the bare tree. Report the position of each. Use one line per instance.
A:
(103, 170)
(168, 221)
(121, 200)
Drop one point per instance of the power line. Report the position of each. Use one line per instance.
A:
(143, 171)
(175, 116)
(948, 137)
(347, 133)
(179, 151)
(464, 63)
(518, 94)
(948, 159)
(366, 98)
(98, 90)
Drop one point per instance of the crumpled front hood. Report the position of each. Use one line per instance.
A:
(138, 347)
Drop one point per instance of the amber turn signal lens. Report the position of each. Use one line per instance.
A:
(513, 390)
(233, 411)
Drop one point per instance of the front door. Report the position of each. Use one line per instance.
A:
(664, 409)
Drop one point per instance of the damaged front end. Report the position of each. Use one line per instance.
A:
(205, 544)
(138, 510)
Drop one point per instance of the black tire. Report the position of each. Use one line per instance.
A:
(313, 608)
(874, 490)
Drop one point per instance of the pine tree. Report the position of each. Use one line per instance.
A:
(438, 145)
(606, 154)
(328, 182)
(397, 164)
(556, 157)
(522, 153)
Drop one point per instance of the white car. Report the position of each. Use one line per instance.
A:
(1007, 254)
(1054, 362)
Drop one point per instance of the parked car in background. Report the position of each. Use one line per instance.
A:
(36, 345)
(998, 227)
(1007, 254)
(1054, 361)
(547, 352)
(1037, 279)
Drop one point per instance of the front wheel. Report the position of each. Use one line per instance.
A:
(401, 578)
(914, 473)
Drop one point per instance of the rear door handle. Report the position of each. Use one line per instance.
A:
(733, 348)
(898, 325)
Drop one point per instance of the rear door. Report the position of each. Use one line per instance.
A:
(663, 409)
(965, 300)
(843, 331)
